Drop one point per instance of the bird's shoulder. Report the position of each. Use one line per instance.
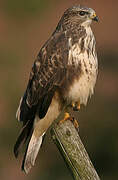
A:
(52, 56)
(55, 48)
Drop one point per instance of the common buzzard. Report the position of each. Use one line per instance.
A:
(64, 73)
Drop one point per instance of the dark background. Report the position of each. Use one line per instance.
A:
(24, 26)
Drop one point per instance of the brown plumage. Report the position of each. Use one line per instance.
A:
(64, 72)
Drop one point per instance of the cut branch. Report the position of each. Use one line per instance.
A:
(68, 142)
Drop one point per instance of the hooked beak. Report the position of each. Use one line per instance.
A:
(94, 17)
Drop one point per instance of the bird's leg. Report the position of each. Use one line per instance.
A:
(76, 106)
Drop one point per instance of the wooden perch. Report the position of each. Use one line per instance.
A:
(71, 148)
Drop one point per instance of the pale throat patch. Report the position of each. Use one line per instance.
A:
(75, 50)
(86, 23)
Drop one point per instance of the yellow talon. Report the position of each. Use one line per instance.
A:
(73, 104)
(66, 117)
(76, 125)
(78, 105)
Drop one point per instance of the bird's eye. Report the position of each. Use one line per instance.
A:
(82, 13)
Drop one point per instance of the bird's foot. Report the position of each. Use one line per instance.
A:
(76, 106)
(66, 117)
(75, 123)
(72, 119)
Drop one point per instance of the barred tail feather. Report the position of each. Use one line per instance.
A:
(31, 153)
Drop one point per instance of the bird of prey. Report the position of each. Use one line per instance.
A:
(64, 73)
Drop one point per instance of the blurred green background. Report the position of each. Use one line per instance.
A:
(24, 26)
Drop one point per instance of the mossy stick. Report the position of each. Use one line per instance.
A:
(68, 142)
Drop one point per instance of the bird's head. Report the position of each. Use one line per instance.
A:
(80, 15)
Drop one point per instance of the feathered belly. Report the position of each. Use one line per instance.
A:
(83, 82)
(81, 89)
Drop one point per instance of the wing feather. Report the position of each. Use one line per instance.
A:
(48, 73)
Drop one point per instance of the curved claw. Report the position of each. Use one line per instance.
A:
(66, 117)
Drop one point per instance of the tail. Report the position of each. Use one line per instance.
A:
(32, 147)
(27, 115)
(31, 153)
(25, 134)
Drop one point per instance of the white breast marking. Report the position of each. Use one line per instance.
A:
(83, 87)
